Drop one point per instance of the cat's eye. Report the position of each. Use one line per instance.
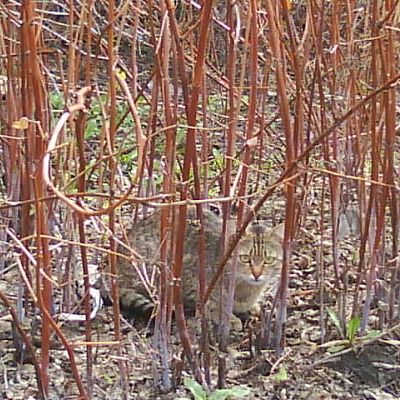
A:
(244, 258)
(269, 260)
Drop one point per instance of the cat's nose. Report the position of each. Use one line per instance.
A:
(257, 273)
(257, 267)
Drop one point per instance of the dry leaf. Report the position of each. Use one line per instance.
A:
(21, 124)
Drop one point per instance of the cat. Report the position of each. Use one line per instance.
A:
(258, 268)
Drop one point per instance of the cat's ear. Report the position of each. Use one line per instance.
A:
(256, 228)
(278, 231)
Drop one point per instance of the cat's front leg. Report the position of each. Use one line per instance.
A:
(236, 324)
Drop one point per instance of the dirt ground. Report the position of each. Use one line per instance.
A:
(370, 369)
(367, 369)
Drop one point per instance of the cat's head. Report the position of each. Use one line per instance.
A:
(260, 254)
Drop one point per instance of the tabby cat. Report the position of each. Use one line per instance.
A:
(258, 268)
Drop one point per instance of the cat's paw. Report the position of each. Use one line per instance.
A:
(236, 324)
(255, 310)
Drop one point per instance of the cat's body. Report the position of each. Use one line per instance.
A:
(258, 268)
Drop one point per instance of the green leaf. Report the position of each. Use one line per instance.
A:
(57, 100)
(352, 328)
(282, 375)
(335, 320)
(218, 157)
(336, 349)
(91, 129)
(110, 380)
(237, 392)
(195, 388)
(372, 334)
